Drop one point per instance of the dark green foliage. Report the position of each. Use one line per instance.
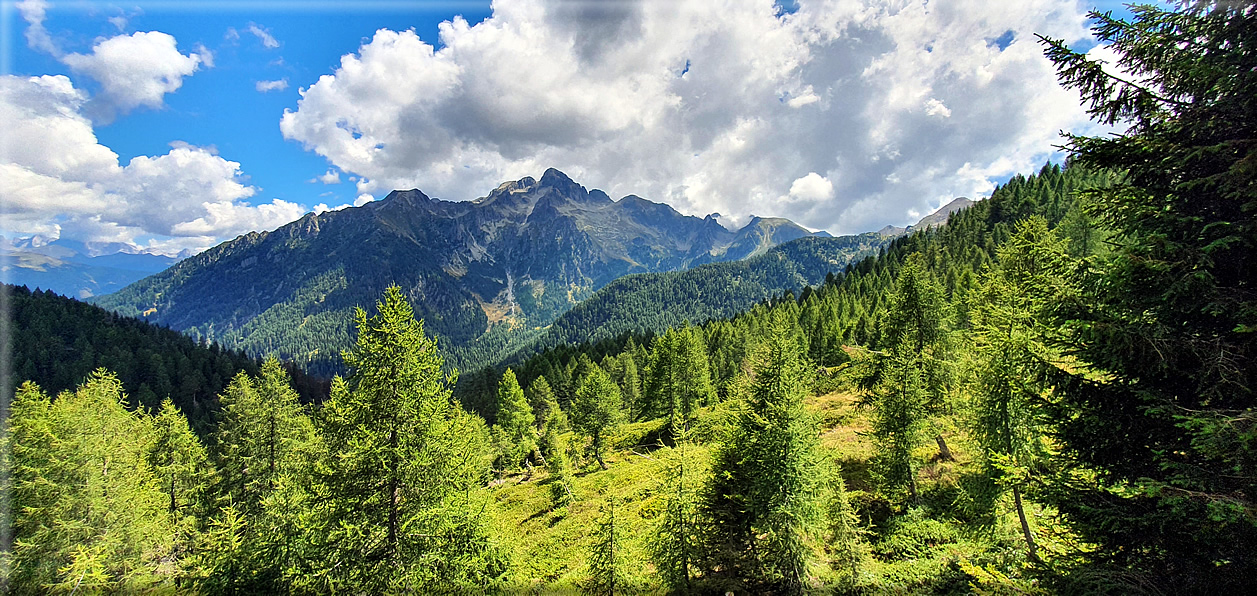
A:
(765, 503)
(656, 302)
(1159, 432)
(151, 362)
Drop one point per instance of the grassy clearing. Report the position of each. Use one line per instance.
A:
(929, 547)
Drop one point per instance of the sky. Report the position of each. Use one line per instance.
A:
(172, 126)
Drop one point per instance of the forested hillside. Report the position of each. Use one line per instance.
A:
(57, 342)
(653, 302)
(1050, 394)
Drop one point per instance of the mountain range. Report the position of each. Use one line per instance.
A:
(511, 261)
(76, 269)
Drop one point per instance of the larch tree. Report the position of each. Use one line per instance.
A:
(764, 507)
(910, 377)
(401, 489)
(597, 410)
(267, 448)
(89, 514)
(678, 380)
(515, 419)
(1010, 376)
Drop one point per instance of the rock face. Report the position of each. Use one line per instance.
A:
(512, 260)
(939, 217)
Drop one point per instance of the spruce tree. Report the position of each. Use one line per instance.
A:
(1157, 429)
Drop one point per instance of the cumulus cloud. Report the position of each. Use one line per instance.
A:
(268, 86)
(812, 187)
(135, 70)
(69, 184)
(331, 177)
(708, 106)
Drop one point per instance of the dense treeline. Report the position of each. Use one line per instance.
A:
(1050, 394)
(57, 342)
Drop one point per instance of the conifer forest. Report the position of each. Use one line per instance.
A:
(1054, 392)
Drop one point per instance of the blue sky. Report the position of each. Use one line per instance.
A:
(843, 116)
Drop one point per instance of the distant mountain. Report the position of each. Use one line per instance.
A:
(483, 274)
(939, 217)
(76, 269)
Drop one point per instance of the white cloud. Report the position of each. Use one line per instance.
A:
(323, 208)
(363, 199)
(812, 187)
(69, 184)
(264, 36)
(934, 107)
(331, 177)
(268, 86)
(34, 12)
(889, 99)
(135, 70)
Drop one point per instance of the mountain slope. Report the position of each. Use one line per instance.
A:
(655, 301)
(499, 266)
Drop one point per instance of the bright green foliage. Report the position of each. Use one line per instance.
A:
(899, 421)
(401, 493)
(678, 378)
(675, 546)
(1160, 430)
(180, 463)
(910, 375)
(598, 410)
(515, 418)
(266, 448)
(845, 546)
(609, 568)
(623, 370)
(88, 513)
(765, 504)
(1009, 376)
(263, 436)
(541, 399)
